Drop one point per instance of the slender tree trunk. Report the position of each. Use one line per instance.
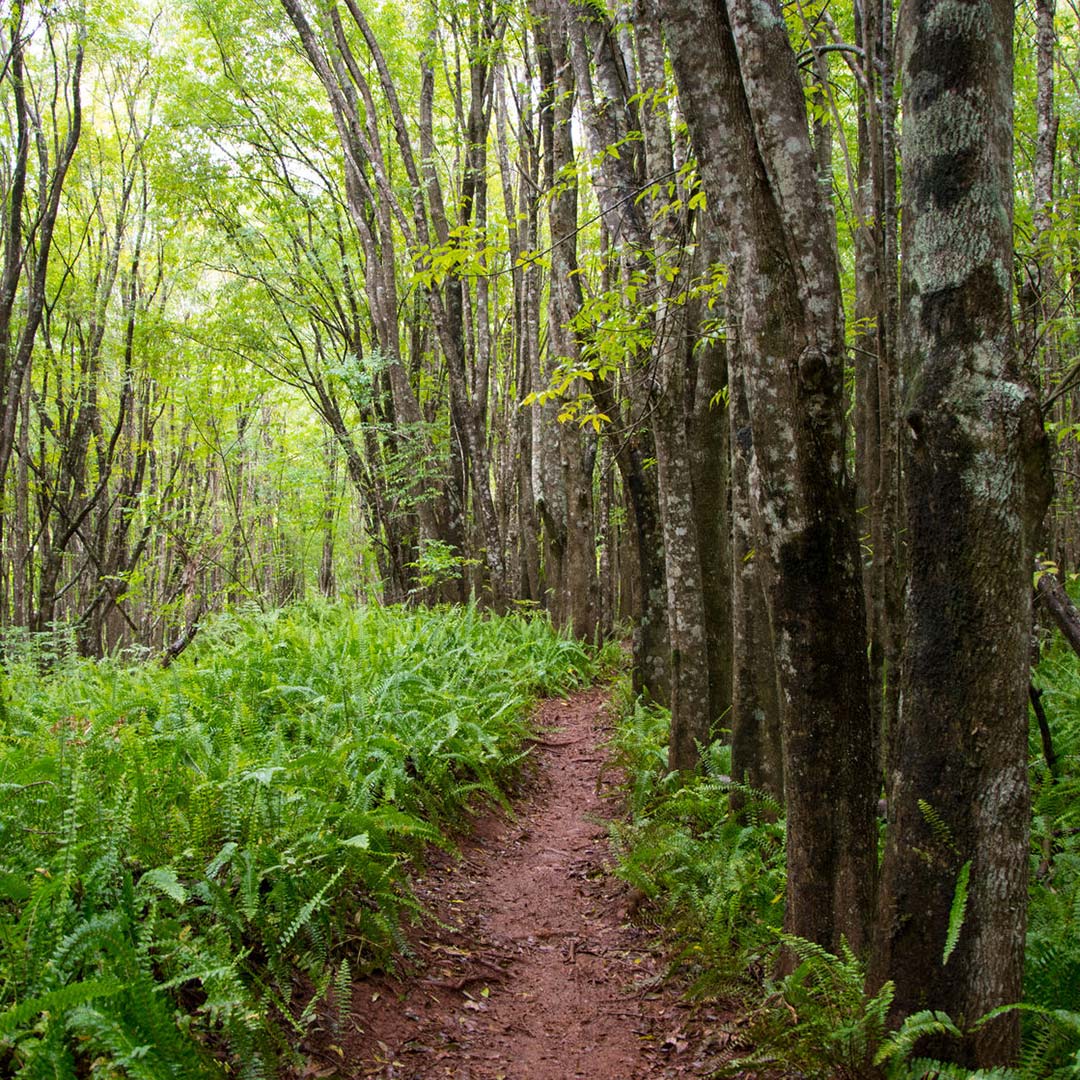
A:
(757, 749)
(746, 111)
(327, 583)
(24, 273)
(563, 458)
(691, 700)
(709, 437)
(21, 578)
(608, 540)
(1038, 273)
(877, 419)
(609, 114)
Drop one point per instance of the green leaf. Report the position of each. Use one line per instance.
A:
(165, 881)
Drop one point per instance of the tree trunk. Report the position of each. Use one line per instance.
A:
(745, 107)
(757, 748)
(562, 459)
(976, 487)
(877, 420)
(692, 718)
(709, 437)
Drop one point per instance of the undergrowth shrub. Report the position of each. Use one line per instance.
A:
(186, 853)
(715, 879)
(817, 1021)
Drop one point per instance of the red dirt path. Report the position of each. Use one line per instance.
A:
(529, 967)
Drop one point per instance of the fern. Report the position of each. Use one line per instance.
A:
(956, 912)
(197, 834)
(899, 1046)
(60, 1000)
(929, 1069)
(305, 913)
(819, 1020)
(342, 996)
(938, 827)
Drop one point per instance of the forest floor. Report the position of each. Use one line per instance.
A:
(529, 964)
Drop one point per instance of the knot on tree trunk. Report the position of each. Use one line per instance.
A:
(813, 369)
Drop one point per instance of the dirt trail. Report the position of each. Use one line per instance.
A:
(530, 969)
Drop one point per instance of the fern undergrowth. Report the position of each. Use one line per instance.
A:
(186, 853)
(715, 881)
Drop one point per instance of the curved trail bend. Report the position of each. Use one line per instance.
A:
(530, 969)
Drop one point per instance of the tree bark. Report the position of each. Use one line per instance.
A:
(757, 749)
(744, 103)
(709, 439)
(976, 484)
(692, 718)
(877, 418)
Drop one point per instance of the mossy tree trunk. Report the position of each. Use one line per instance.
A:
(976, 485)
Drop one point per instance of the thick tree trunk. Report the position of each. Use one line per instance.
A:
(976, 486)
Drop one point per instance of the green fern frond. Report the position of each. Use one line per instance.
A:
(898, 1046)
(307, 911)
(59, 1001)
(940, 829)
(957, 910)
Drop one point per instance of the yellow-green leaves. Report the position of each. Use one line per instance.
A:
(467, 253)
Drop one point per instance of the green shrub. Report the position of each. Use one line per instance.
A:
(714, 877)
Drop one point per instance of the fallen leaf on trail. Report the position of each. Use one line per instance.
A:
(451, 950)
(316, 1070)
(676, 1041)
